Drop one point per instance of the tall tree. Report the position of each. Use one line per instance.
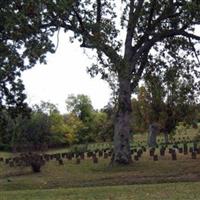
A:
(155, 31)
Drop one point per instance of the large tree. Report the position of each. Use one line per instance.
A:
(155, 31)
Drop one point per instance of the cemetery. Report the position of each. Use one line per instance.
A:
(175, 163)
(132, 132)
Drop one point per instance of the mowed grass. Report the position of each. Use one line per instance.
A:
(144, 179)
(172, 191)
(89, 174)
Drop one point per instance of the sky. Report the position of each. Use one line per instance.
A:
(64, 74)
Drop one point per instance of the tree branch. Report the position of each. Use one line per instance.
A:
(99, 6)
(79, 19)
(159, 37)
(193, 48)
(152, 9)
(133, 19)
(152, 24)
(138, 74)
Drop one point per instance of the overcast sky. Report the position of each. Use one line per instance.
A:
(64, 74)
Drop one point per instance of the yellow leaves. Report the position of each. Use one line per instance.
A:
(73, 126)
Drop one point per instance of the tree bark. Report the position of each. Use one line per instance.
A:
(122, 135)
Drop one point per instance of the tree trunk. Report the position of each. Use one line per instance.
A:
(122, 152)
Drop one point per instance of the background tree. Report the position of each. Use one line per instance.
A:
(101, 126)
(172, 94)
(141, 110)
(74, 126)
(150, 27)
(81, 106)
(6, 130)
(46, 107)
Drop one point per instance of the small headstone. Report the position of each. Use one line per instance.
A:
(105, 155)
(194, 155)
(144, 149)
(72, 155)
(58, 156)
(174, 155)
(78, 161)
(82, 156)
(155, 157)
(69, 156)
(100, 153)
(132, 151)
(191, 149)
(110, 153)
(63, 155)
(198, 150)
(185, 149)
(180, 150)
(77, 155)
(171, 150)
(60, 161)
(11, 164)
(7, 160)
(89, 154)
(166, 137)
(152, 151)
(195, 145)
(162, 151)
(139, 152)
(136, 158)
(95, 159)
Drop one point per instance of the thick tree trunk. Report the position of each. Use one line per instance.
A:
(122, 153)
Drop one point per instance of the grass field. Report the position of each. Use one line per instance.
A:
(88, 174)
(172, 191)
(144, 179)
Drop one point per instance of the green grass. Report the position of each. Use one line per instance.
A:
(89, 174)
(141, 180)
(173, 191)
(5, 154)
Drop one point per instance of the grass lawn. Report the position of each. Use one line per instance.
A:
(144, 179)
(172, 191)
(88, 174)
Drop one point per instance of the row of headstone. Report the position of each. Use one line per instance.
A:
(35, 161)
(154, 130)
(25, 159)
(194, 150)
